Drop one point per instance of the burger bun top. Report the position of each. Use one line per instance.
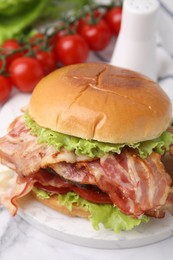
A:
(101, 102)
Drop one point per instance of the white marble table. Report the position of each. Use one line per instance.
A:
(19, 240)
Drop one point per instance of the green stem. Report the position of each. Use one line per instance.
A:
(3, 59)
(67, 21)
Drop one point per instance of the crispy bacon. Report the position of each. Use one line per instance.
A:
(12, 188)
(50, 178)
(45, 180)
(20, 151)
(135, 185)
(142, 185)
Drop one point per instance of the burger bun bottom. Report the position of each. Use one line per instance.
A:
(53, 203)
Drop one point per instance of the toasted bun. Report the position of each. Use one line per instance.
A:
(101, 102)
(53, 203)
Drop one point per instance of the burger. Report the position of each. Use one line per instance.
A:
(89, 145)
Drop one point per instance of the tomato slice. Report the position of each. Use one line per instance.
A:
(93, 195)
(62, 190)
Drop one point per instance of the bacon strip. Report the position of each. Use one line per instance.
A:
(13, 187)
(144, 184)
(134, 185)
(20, 151)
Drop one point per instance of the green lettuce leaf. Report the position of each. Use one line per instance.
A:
(41, 194)
(19, 16)
(16, 15)
(106, 214)
(94, 148)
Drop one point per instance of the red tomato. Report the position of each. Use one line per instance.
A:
(62, 30)
(61, 34)
(80, 23)
(97, 13)
(87, 20)
(53, 40)
(5, 88)
(25, 73)
(97, 35)
(37, 38)
(37, 41)
(11, 45)
(52, 189)
(72, 49)
(113, 18)
(94, 196)
(47, 60)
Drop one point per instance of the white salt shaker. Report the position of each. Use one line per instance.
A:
(135, 48)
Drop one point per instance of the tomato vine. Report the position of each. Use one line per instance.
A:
(24, 61)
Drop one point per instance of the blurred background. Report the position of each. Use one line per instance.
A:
(33, 32)
(165, 24)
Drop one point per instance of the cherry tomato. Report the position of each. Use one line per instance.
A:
(113, 18)
(53, 40)
(72, 49)
(25, 73)
(37, 38)
(87, 20)
(61, 34)
(97, 35)
(5, 88)
(47, 60)
(80, 23)
(62, 30)
(9, 46)
(37, 41)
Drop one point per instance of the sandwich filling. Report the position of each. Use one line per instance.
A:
(118, 182)
(136, 185)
